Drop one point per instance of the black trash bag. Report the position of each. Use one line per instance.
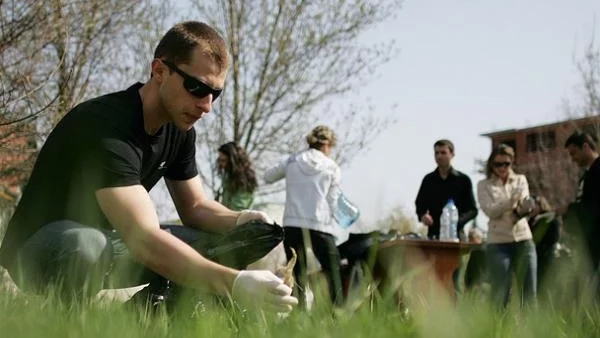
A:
(237, 248)
(242, 245)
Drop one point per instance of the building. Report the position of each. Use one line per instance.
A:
(540, 155)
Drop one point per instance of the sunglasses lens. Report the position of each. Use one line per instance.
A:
(501, 164)
(200, 90)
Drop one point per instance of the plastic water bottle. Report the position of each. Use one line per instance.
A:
(449, 222)
(453, 221)
(345, 212)
(445, 224)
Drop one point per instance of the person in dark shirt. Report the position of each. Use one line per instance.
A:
(584, 213)
(86, 215)
(439, 186)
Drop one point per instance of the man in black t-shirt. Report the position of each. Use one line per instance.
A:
(87, 201)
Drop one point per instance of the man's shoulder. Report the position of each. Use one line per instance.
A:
(595, 167)
(434, 174)
(431, 174)
(114, 103)
(111, 114)
(460, 174)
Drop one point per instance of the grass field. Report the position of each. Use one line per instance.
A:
(566, 308)
(370, 316)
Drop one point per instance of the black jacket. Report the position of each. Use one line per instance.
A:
(435, 192)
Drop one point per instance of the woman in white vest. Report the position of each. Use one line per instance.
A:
(312, 189)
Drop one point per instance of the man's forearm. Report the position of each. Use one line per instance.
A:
(420, 210)
(210, 216)
(466, 217)
(176, 261)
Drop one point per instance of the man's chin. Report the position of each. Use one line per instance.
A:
(184, 126)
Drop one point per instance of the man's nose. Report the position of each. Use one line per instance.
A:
(205, 103)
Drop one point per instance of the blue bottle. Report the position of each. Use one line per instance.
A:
(345, 212)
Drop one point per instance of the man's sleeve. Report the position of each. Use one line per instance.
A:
(114, 163)
(421, 200)
(184, 166)
(592, 203)
(469, 206)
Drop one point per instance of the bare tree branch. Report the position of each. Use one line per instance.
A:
(289, 60)
(56, 53)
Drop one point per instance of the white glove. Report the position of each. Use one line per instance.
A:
(249, 215)
(262, 289)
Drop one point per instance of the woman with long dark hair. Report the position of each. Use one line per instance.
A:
(237, 177)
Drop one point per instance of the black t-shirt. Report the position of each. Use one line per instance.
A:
(100, 143)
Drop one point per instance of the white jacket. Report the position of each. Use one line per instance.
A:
(312, 189)
(494, 199)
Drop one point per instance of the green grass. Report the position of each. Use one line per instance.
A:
(45, 316)
(566, 308)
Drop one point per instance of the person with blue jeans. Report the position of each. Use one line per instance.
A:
(504, 197)
(86, 214)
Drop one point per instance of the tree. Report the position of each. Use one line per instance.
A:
(289, 60)
(53, 55)
(554, 175)
(588, 68)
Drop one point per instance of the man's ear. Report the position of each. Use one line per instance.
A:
(158, 69)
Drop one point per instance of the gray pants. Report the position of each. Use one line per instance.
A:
(76, 260)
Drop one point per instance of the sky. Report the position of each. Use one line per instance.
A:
(465, 67)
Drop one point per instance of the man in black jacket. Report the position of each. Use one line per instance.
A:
(439, 186)
(585, 211)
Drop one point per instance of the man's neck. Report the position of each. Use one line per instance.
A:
(444, 171)
(153, 113)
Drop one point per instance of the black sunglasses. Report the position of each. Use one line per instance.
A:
(194, 86)
(501, 164)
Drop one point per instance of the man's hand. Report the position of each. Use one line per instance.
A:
(249, 215)
(262, 289)
(426, 219)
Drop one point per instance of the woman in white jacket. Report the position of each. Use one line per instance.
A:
(312, 188)
(504, 198)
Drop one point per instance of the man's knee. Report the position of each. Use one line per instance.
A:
(65, 252)
(86, 246)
